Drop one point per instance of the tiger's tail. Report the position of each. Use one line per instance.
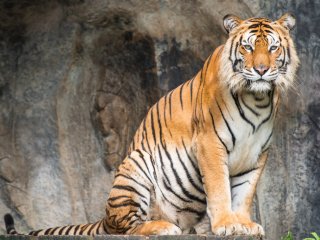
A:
(89, 229)
(9, 222)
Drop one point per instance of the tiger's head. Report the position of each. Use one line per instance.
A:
(259, 54)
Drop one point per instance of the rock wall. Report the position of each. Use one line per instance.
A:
(77, 77)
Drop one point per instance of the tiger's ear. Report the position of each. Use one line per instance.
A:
(230, 22)
(288, 21)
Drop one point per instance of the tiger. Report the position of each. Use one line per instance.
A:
(200, 150)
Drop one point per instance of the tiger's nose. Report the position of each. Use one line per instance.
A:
(261, 69)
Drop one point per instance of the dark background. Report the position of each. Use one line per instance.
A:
(77, 77)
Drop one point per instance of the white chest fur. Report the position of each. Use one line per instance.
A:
(247, 129)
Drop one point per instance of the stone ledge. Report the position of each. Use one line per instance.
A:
(128, 237)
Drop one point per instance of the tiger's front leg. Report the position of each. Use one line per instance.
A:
(224, 220)
(243, 187)
(212, 158)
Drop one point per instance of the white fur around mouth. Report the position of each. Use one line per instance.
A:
(260, 85)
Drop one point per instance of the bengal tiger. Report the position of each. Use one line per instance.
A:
(200, 150)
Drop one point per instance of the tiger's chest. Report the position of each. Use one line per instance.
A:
(247, 130)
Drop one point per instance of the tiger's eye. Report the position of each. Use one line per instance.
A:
(273, 48)
(248, 47)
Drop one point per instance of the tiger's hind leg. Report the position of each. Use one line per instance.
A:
(128, 205)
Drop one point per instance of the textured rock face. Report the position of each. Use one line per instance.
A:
(77, 77)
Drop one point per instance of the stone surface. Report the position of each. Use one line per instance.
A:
(126, 237)
(77, 77)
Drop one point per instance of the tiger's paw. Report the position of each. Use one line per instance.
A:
(159, 227)
(230, 229)
(234, 225)
(254, 229)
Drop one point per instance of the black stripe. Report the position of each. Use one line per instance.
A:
(145, 163)
(236, 100)
(139, 166)
(159, 122)
(47, 231)
(231, 48)
(201, 95)
(170, 105)
(12, 231)
(267, 26)
(195, 167)
(250, 109)
(83, 228)
(191, 89)
(244, 173)
(284, 56)
(91, 228)
(289, 54)
(186, 209)
(239, 184)
(128, 204)
(53, 230)
(166, 179)
(61, 230)
(215, 130)
(133, 145)
(142, 147)
(199, 189)
(254, 26)
(226, 106)
(271, 36)
(263, 106)
(161, 162)
(68, 230)
(205, 77)
(98, 228)
(117, 198)
(181, 100)
(164, 111)
(146, 135)
(152, 126)
(174, 205)
(256, 98)
(168, 188)
(130, 178)
(128, 188)
(35, 233)
(271, 111)
(228, 126)
(180, 184)
(129, 216)
(195, 115)
(268, 139)
(105, 225)
(76, 229)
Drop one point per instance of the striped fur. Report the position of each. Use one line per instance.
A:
(198, 154)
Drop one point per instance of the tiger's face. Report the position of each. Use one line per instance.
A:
(259, 54)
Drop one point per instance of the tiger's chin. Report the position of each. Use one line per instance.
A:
(259, 86)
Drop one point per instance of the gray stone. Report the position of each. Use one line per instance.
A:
(178, 237)
(120, 237)
(17, 237)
